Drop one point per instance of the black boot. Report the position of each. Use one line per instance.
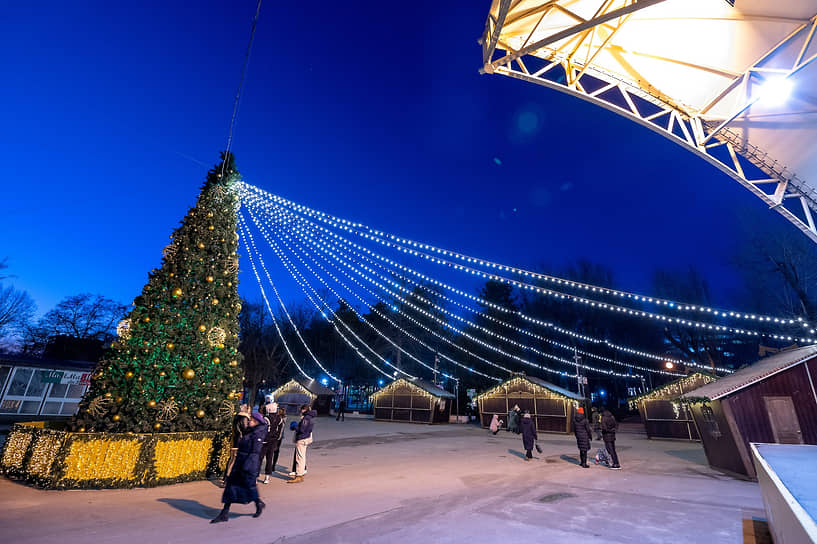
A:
(259, 507)
(222, 516)
(583, 455)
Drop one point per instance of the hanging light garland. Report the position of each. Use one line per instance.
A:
(545, 324)
(289, 266)
(405, 245)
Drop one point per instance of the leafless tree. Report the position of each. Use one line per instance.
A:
(16, 310)
(264, 356)
(84, 316)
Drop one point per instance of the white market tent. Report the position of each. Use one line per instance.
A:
(735, 84)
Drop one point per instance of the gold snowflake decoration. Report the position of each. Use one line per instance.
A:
(227, 409)
(232, 266)
(219, 192)
(168, 410)
(123, 329)
(99, 406)
(216, 336)
(169, 251)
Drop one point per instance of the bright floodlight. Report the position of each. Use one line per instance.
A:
(775, 90)
(669, 365)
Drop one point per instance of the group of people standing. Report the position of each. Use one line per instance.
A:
(257, 438)
(605, 427)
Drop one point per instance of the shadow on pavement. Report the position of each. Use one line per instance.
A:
(693, 456)
(519, 454)
(570, 459)
(194, 508)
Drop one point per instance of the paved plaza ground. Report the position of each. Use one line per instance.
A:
(390, 482)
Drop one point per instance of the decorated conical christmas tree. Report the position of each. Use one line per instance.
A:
(176, 365)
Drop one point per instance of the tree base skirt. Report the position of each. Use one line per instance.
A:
(46, 456)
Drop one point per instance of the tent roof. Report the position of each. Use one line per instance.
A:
(428, 387)
(705, 59)
(666, 391)
(752, 374)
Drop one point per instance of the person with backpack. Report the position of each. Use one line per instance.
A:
(272, 444)
(609, 425)
(583, 432)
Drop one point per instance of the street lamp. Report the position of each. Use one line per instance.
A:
(669, 365)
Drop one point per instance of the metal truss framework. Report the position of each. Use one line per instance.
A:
(564, 60)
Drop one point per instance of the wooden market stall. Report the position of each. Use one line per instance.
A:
(663, 416)
(412, 401)
(771, 401)
(295, 393)
(551, 406)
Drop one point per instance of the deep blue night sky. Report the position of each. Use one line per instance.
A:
(114, 112)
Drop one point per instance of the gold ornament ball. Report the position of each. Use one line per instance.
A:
(199, 413)
(215, 301)
(210, 279)
(216, 360)
(202, 328)
(211, 227)
(188, 373)
(162, 373)
(201, 245)
(147, 319)
(209, 214)
(118, 399)
(129, 374)
(151, 403)
(157, 426)
(231, 395)
(229, 284)
(170, 345)
(116, 417)
(177, 292)
(107, 395)
(220, 346)
(172, 274)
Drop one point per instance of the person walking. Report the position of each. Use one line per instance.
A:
(303, 438)
(341, 409)
(581, 428)
(496, 424)
(528, 430)
(237, 428)
(595, 419)
(241, 483)
(609, 425)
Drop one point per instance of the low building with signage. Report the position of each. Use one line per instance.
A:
(31, 388)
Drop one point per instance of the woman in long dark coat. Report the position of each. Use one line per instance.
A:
(583, 432)
(241, 486)
(528, 427)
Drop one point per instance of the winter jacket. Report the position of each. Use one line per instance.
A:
(276, 427)
(304, 429)
(494, 424)
(529, 436)
(596, 418)
(609, 425)
(582, 430)
(240, 486)
(513, 421)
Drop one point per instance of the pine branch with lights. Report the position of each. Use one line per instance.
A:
(175, 365)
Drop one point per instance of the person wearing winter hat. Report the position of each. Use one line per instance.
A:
(241, 482)
(238, 427)
(528, 429)
(583, 432)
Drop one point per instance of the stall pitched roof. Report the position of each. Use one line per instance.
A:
(312, 386)
(752, 374)
(665, 391)
(541, 383)
(428, 387)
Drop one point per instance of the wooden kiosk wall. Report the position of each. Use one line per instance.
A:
(663, 416)
(552, 411)
(404, 402)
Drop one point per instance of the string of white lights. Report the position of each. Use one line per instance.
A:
(447, 325)
(337, 319)
(244, 228)
(273, 209)
(271, 313)
(489, 332)
(362, 318)
(390, 240)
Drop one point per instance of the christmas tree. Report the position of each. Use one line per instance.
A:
(176, 365)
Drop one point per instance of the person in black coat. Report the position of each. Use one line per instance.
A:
(583, 432)
(272, 444)
(241, 483)
(528, 427)
(609, 425)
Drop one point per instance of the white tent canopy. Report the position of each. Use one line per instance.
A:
(725, 81)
